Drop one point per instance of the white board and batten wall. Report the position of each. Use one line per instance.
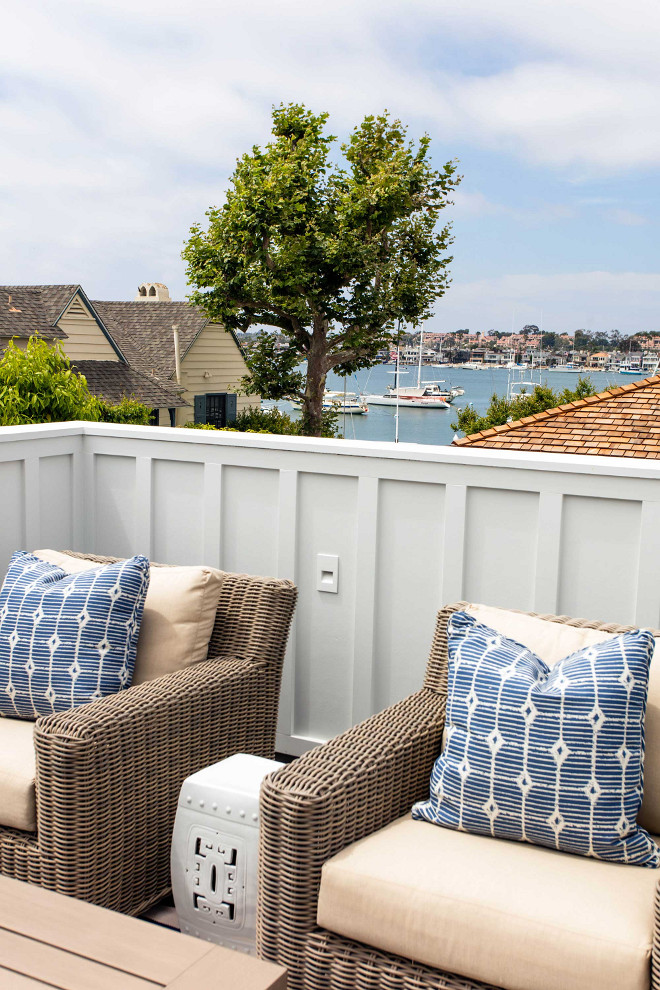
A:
(413, 527)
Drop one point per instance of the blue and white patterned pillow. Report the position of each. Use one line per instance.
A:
(67, 639)
(548, 755)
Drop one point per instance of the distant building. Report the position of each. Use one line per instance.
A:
(127, 348)
(601, 359)
(622, 423)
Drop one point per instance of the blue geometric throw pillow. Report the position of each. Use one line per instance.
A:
(548, 755)
(67, 639)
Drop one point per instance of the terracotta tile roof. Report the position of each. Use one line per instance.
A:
(112, 380)
(624, 422)
(29, 309)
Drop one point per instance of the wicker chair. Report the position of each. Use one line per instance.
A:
(109, 773)
(341, 792)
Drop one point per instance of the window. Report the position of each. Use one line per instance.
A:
(215, 408)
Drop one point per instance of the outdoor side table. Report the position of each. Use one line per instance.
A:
(48, 940)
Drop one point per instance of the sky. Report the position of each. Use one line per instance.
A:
(121, 121)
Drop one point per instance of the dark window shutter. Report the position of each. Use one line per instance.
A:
(230, 408)
(200, 408)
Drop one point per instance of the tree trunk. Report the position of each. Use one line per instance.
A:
(312, 410)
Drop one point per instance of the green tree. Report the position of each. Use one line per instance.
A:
(336, 257)
(38, 385)
(501, 410)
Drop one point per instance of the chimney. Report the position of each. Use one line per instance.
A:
(153, 292)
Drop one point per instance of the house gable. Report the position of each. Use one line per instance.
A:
(214, 362)
(87, 337)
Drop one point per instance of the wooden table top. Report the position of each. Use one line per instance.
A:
(48, 940)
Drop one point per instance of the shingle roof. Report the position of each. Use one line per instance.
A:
(29, 309)
(143, 330)
(624, 422)
(112, 380)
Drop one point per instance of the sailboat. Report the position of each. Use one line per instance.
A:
(350, 403)
(424, 395)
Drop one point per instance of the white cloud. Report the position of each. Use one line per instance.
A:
(627, 301)
(562, 115)
(121, 119)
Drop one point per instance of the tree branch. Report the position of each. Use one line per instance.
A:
(342, 357)
(265, 243)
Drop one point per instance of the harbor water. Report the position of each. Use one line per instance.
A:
(433, 426)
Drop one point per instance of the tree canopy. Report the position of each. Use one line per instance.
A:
(38, 385)
(335, 257)
(501, 410)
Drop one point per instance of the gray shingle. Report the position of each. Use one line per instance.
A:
(143, 331)
(30, 309)
(112, 381)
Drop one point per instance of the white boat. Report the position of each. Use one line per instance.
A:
(424, 396)
(349, 403)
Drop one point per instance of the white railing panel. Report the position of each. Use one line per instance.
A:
(12, 531)
(112, 504)
(56, 501)
(500, 547)
(250, 508)
(177, 511)
(40, 488)
(600, 557)
(414, 527)
(409, 570)
(323, 653)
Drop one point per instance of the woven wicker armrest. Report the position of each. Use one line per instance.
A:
(330, 797)
(109, 774)
(253, 617)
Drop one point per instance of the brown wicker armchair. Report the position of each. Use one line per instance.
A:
(341, 792)
(109, 773)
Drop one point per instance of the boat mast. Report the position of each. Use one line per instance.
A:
(396, 408)
(419, 364)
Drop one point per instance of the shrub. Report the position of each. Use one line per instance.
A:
(38, 385)
(501, 409)
(270, 421)
(127, 411)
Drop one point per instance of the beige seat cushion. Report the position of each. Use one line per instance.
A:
(18, 807)
(553, 640)
(178, 617)
(516, 915)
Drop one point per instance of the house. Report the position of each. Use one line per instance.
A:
(623, 422)
(128, 348)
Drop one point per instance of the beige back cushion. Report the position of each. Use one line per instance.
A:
(178, 618)
(553, 640)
